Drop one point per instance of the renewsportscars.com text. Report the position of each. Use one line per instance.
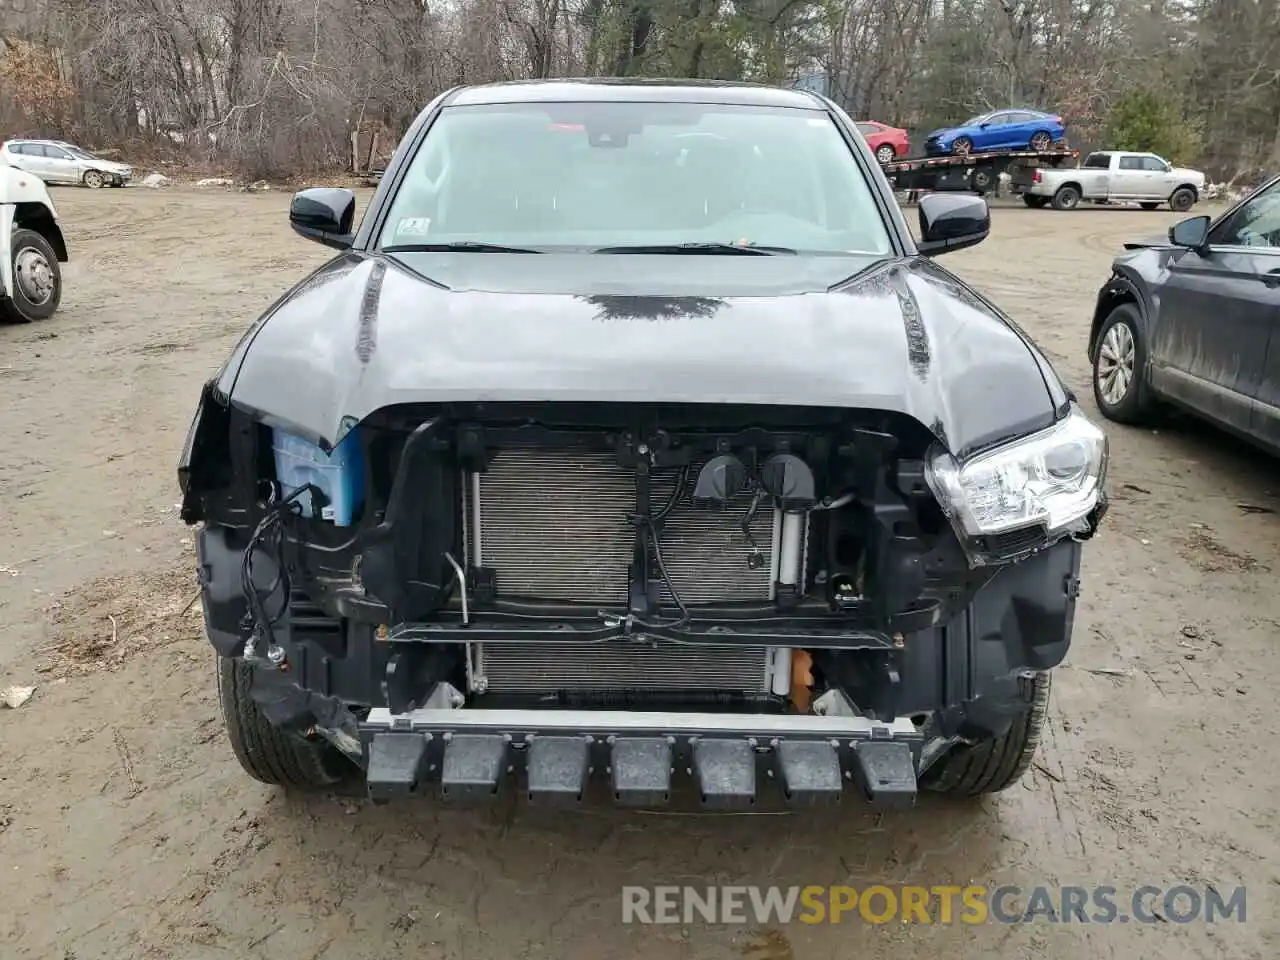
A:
(931, 904)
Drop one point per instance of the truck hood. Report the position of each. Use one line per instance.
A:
(1191, 176)
(904, 336)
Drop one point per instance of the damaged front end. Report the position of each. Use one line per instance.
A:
(632, 597)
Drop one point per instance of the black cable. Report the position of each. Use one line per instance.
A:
(666, 578)
(646, 523)
(269, 534)
(682, 482)
(746, 527)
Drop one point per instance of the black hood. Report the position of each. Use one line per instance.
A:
(364, 333)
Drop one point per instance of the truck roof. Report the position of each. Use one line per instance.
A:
(605, 89)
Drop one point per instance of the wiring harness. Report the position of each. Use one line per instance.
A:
(268, 536)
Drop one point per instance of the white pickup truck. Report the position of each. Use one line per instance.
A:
(1111, 176)
(31, 248)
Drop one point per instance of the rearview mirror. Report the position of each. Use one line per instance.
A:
(952, 221)
(1192, 233)
(325, 215)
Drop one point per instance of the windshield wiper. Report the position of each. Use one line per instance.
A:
(466, 246)
(733, 249)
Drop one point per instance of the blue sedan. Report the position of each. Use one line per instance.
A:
(1000, 130)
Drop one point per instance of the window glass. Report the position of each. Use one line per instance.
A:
(1255, 224)
(1130, 163)
(586, 175)
(1153, 163)
(867, 129)
(1098, 161)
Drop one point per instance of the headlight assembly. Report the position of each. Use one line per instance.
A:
(1048, 482)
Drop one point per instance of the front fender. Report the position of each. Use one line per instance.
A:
(1121, 287)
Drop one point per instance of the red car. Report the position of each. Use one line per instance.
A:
(886, 142)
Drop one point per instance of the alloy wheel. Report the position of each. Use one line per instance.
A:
(1114, 369)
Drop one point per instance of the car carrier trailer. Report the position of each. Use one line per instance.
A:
(972, 173)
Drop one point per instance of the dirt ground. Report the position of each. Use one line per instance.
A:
(128, 830)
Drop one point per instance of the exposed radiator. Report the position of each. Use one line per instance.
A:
(552, 525)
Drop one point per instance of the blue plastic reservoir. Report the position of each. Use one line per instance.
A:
(340, 474)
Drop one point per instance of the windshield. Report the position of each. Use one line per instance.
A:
(585, 176)
(974, 121)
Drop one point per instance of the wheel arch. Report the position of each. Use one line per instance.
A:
(37, 217)
(1117, 291)
(1186, 186)
(1079, 187)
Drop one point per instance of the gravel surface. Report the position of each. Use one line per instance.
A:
(128, 830)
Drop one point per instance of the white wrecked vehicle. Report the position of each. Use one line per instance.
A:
(31, 247)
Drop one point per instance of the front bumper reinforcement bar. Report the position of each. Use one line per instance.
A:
(558, 756)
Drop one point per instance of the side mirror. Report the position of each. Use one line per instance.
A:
(952, 221)
(1192, 233)
(325, 215)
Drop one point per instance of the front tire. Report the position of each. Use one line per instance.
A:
(1183, 199)
(962, 147)
(267, 753)
(37, 279)
(1034, 201)
(973, 770)
(94, 180)
(1119, 361)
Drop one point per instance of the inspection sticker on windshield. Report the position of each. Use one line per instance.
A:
(413, 226)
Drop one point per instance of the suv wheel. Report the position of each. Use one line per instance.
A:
(1119, 362)
(37, 279)
(997, 764)
(267, 753)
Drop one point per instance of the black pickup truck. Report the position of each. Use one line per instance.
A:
(630, 446)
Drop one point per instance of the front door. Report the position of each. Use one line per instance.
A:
(1262, 233)
(994, 134)
(1157, 181)
(61, 165)
(1216, 312)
